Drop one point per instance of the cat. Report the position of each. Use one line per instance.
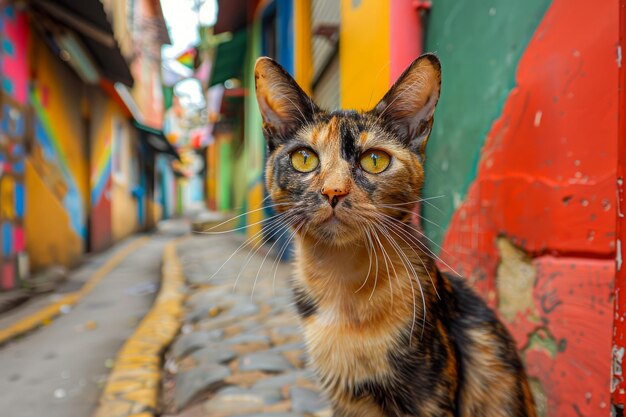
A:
(386, 332)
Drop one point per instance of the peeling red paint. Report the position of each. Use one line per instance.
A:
(574, 299)
(546, 180)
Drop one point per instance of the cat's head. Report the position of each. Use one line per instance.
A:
(335, 174)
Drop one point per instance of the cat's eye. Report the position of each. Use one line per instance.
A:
(304, 160)
(375, 161)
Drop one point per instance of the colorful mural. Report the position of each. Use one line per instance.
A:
(100, 182)
(13, 134)
(49, 158)
(57, 172)
(56, 138)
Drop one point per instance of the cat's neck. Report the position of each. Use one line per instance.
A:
(361, 280)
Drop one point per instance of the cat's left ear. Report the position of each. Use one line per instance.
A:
(409, 105)
(284, 106)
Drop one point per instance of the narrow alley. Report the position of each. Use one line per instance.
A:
(58, 370)
(239, 351)
(145, 270)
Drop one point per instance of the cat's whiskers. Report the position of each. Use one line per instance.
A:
(408, 264)
(369, 238)
(385, 257)
(397, 230)
(369, 255)
(412, 212)
(421, 200)
(221, 232)
(422, 244)
(265, 237)
(246, 243)
(208, 231)
(280, 255)
(287, 229)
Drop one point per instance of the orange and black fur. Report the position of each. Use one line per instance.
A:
(387, 333)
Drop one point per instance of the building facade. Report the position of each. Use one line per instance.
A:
(77, 162)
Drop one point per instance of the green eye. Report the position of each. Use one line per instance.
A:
(375, 161)
(304, 160)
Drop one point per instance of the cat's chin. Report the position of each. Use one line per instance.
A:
(334, 232)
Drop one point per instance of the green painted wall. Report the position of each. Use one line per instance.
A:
(479, 43)
(255, 143)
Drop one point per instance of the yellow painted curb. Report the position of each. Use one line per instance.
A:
(133, 386)
(46, 314)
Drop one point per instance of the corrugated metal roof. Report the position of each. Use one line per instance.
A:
(324, 12)
(326, 94)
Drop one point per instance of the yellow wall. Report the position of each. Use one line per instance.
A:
(364, 53)
(56, 176)
(49, 240)
(157, 211)
(303, 60)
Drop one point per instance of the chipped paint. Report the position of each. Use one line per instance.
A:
(617, 376)
(515, 279)
(541, 339)
(618, 255)
(541, 401)
(619, 197)
(564, 351)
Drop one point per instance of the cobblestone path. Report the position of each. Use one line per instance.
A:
(240, 352)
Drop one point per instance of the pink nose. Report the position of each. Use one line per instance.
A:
(334, 194)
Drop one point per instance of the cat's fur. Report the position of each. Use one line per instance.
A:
(387, 333)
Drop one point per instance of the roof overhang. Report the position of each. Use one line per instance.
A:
(229, 59)
(156, 140)
(233, 15)
(93, 35)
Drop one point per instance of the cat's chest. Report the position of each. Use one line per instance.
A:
(348, 353)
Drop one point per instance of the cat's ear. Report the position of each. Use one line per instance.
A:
(409, 105)
(283, 105)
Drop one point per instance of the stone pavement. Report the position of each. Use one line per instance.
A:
(240, 351)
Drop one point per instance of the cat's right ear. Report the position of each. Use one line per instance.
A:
(283, 105)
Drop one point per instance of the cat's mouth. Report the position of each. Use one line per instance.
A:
(332, 219)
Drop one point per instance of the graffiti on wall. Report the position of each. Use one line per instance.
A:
(101, 171)
(101, 236)
(13, 130)
(50, 161)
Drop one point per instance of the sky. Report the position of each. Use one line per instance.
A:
(182, 21)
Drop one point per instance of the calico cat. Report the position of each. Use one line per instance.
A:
(387, 333)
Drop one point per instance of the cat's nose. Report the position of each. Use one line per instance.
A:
(334, 194)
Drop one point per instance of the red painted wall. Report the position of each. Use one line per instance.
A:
(406, 36)
(546, 181)
(100, 226)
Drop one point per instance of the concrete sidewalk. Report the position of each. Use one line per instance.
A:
(240, 352)
(58, 369)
